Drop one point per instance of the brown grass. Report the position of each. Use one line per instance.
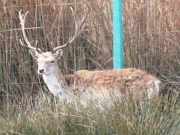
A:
(150, 38)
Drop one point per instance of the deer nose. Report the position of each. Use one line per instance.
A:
(41, 70)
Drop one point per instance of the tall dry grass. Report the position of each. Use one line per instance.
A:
(151, 43)
(150, 39)
(151, 33)
(126, 117)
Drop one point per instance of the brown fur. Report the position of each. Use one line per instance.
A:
(123, 79)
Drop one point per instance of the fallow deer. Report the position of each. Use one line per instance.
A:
(95, 82)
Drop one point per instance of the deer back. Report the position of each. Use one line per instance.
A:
(123, 79)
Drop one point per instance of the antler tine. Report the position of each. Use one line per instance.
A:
(79, 26)
(22, 18)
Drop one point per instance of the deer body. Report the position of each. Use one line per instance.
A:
(129, 79)
(94, 82)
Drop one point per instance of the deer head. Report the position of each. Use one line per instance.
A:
(47, 61)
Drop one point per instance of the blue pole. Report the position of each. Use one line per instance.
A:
(118, 49)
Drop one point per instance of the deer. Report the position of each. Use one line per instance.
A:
(93, 82)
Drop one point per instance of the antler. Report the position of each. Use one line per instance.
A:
(22, 18)
(79, 26)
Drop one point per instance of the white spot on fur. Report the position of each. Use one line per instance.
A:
(150, 93)
(156, 84)
(154, 91)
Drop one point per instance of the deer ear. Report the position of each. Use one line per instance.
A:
(34, 54)
(58, 54)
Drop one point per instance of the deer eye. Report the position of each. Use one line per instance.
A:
(52, 61)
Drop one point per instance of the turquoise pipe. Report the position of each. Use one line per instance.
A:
(118, 48)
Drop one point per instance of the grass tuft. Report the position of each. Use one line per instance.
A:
(43, 115)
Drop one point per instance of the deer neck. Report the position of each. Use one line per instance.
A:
(55, 82)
